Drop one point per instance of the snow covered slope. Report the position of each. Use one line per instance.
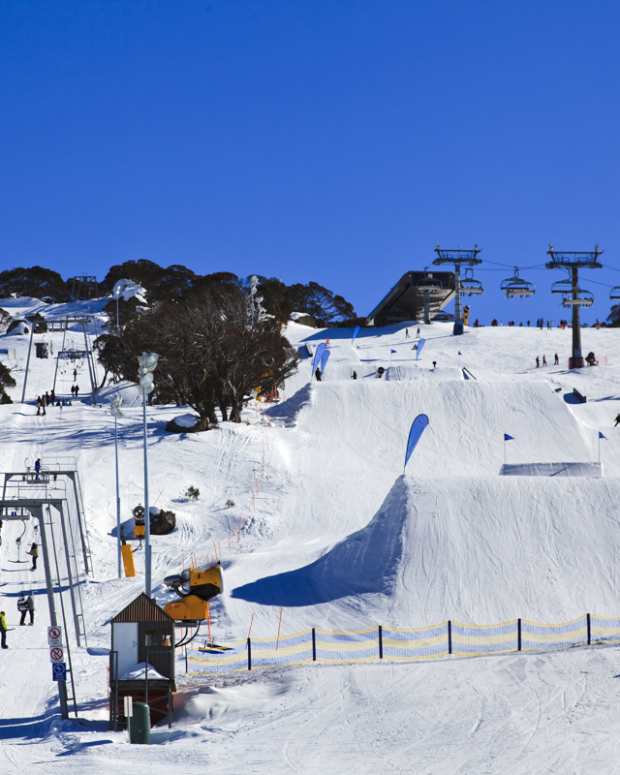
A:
(316, 525)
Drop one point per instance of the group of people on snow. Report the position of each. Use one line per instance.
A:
(45, 400)
(556, 360)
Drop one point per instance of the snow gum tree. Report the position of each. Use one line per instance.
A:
(211, 358)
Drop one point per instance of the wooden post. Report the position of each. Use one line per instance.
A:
(589, 628)
(249, 654)
(313, 644)
(519, 640)
(449, 636)
(380, 642)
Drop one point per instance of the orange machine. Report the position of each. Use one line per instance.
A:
(195, 587)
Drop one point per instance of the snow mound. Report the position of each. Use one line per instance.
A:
(141, 671)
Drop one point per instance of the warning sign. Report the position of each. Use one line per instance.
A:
(54, 636)
(57, 654)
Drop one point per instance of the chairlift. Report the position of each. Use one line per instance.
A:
(516, 287)
(469, 285)
(562, 286)
(614, 293)
(582, 299)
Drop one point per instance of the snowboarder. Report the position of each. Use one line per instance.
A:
(544, 361)
(537, 362)
(4, 626)
(617, 421)
(354, 375)
(317, 375)
(37, 468)
(34, 553)
(25, 605)
(556, 360)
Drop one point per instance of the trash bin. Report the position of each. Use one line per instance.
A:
(140, 724)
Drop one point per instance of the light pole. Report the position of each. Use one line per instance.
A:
(147, 363)
(115, 411)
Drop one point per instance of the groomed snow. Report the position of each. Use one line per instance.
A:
(308, 508)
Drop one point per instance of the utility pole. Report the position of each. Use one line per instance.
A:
(572, 261)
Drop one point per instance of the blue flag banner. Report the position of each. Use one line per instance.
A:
(417, 429)
(324, 359)
(318, 354)
(508, 437)
(356, 331)
(601, 435)
(419, 348)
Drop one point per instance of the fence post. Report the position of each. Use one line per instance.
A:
(186, 658)
(313, 644)
(519, 642)
(380, 642)
(449, 636)
(249, 654)
(589, 628)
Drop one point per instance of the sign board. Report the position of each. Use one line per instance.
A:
(59, 671)
(57, 654)
(54, 636)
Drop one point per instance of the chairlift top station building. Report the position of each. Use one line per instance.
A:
(417, 295)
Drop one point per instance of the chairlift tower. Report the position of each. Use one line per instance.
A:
(458, 258)
(572, 261)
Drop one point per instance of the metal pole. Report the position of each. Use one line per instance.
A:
(147, 513)
(118, 503)
(64, 336)
(577, 359)
(65, 540)
(28, 362)
(458, 325)
(62, 685)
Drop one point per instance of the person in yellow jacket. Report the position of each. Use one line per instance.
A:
(34, 553)
(4, 626)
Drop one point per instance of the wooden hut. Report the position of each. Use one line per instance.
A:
(142, 660)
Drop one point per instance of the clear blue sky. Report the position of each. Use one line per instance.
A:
(337, 141)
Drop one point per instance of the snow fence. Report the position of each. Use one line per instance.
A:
(406, 644)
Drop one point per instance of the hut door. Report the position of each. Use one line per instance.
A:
(126, 643)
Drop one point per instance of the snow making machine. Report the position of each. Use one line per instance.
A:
(195, 586)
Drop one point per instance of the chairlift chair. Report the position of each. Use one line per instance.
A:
(469, 285)
(614, 293)
(516, 287)
(582, 299)
(562, 286)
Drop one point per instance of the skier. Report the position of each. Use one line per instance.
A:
(434, 365)
(417, 333)
(537, 362)
(406, 333)
(40, 406)
(77, 390)
(4, 626)
(34, 553)
(53, 395)
(25, 605)
(74, 375)
(617, 421)
(556, 360)
(544, 360)
(354, 375)
(37, 468)
(317, 375)
(46, 398)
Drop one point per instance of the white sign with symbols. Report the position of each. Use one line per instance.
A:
(57, 654)
(54, 636)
